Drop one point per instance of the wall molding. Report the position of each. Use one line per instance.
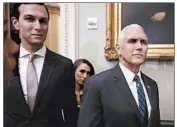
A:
(69, 30)
(63, 29)
(66, 29)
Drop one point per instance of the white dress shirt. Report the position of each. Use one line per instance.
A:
(23, 63)
(129, 76)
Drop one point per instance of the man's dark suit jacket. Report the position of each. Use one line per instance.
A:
(56, 92)
(108, 102)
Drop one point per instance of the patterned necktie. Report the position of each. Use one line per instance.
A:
(32, 82)
(142, 101)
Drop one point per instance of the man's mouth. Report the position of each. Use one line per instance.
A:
(138, 55)
(37, 35)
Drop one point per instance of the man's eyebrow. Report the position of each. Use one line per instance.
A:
(137, 38)
(29, 15)
(133, 38)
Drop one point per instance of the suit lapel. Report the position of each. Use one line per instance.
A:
(148, 88)
(123, 87)
(149, 92)
(47, 70)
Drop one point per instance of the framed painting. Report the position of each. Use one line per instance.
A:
(157, 19)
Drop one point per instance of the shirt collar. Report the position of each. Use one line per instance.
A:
(129, 75)
(41, 52)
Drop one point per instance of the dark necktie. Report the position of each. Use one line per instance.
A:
(32, 82)
(142, 101)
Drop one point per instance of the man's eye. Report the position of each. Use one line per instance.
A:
(29, 19)
(133, 41)
(144, 42)
(43, 21)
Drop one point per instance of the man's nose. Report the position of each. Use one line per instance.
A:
(139, 44)
(37, 25)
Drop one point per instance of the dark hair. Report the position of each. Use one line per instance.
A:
(80, 61)
(15, 9)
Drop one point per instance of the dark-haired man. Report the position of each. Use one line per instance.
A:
(43, 94)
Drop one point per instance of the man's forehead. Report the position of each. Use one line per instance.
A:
(135, 33)
(33, 9)
(136, 37)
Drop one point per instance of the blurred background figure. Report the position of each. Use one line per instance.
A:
(83, 69)
(10, 48)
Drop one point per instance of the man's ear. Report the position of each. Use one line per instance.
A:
(118, 49)
(15, 23)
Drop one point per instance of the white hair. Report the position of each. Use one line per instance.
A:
(122, 33)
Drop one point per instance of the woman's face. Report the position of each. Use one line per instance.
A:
(82, 73)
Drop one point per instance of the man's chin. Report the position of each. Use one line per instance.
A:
(37, 43)
(37, 40)
(138, 62)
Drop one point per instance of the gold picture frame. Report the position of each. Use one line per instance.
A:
(113, 27)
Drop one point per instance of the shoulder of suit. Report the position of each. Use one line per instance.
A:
(99, 81)
(59, 57)
(102, 76)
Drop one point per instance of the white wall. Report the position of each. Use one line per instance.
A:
(91, 45)
(92, 42)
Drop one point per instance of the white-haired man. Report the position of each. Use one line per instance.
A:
(122, 96)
